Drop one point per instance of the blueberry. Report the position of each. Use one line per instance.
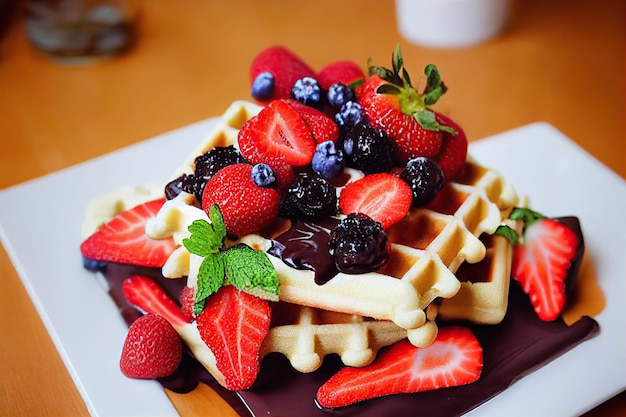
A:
(349, 115)
(327, 160)
(93, 264)
(359, 244)
(425, 178)
(310, 196)
(307, 91)
(263, 175)
(263, 86)
(368, 149)
(339, 94)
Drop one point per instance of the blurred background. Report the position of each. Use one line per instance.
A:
(560, 61)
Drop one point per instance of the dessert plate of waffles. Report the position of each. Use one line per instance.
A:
(88, 331)
(293, 287)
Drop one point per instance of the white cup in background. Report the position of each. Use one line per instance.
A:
(450, 23)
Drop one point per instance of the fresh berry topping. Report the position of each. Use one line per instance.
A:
(152, 348)
(307, 91)
(345, 72)
(359, 244)
(263, 175)
(383, 197)
(209, 163)
(233, 325)
(143, 292)
(263, 86)
(284, 66)
(187, 299)
(322, 127)
(327, 160)
(425, 178)
(455, 358)
(246, 207)
(453, 152)
(94, 265)
(278, 131)
(187, 183)
(310, 196)
(368, 149)
(391, 103)
(339, 94)
(542, 260)
(349, 115)
(123, 239)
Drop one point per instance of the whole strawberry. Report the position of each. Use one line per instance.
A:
(392, 104)
(246, 206)
(152, 348)
(453, 152)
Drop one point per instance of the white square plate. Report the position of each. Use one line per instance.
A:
(40, 227)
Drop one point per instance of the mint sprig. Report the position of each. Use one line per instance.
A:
(526, 215)
(240, 265)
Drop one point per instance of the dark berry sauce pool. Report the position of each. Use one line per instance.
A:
(512, 349)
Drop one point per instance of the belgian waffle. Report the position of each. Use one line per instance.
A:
(428, 247)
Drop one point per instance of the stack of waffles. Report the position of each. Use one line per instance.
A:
(445, 264)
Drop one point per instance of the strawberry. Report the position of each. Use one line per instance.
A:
(322, 127)
(453, 152)
(233, 325)
(277, 131)
(152, 348)
(345, 72)
(274, 71)
(245, 206)
(123, 239)
(145, 293)
(187, 299)
(544, 258)
(392, 104)
(382, 196)
(455, 358)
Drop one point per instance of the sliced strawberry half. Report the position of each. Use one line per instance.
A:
(383, 197)
(542, 262)
(123, 239)
(278, 131)
(233, 325)
(145, 293)
(322, 127)
(455, 358)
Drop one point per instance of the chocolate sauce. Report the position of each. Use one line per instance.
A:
(511, 349)
(305, 246)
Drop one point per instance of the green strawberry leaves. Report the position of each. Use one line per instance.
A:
(526, 215)
(412, 102)
(240, 265)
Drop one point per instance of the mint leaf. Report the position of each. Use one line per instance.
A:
(210, 277)
(206, 238)
(527, 215)
(248, 268)
(509, 233)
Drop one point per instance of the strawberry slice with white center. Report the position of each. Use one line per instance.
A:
(383, 197)
(123, 239)
(541, 263)
(234, 324)
(278, 131)
(455, 358)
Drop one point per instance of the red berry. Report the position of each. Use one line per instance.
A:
(383, 197)
(453, 152)
(152, 348)
(345, 72)
(245, 206)
(322, 127)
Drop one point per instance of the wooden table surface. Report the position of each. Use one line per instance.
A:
(560, 61)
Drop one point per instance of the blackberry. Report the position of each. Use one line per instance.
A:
(349, 115)
(339, 94)
(187, 183)
(307, 91)
(368, 149)
(209, 163)
(327, 160)
(310, 196)
(263, 86)
(425, 178)
(359, 244)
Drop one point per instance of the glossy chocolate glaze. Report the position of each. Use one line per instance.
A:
(512, 349)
